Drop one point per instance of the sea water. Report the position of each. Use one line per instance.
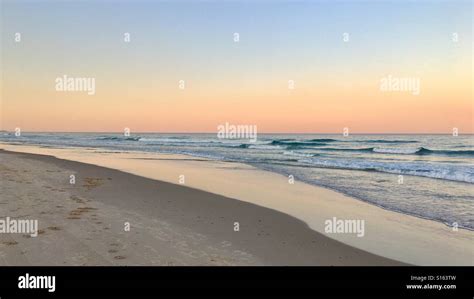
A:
(428, 176)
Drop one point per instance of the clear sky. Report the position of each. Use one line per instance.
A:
(336, 82)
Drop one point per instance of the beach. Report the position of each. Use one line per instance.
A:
(84, 224)
(182, 210)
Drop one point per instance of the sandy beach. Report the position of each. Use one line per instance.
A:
(193, 223)
(84, 224)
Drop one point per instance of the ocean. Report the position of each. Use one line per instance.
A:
(437, 171)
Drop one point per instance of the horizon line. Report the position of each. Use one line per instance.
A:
(274, 133)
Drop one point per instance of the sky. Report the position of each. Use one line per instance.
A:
(336, 53)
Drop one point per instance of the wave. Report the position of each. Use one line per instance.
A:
(425, 151)
(263, 146)
(386, 141)
(114, 138)
(362, 141)
(297, 143)
(243, 145)
(402, 151)
(323, 140)
(362, 150)
(284, 139)
(165, 140)
(297, 154)
(445, 172)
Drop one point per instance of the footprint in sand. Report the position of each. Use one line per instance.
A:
(76, 199)
(10, 243)
(119, 257)
(75, 214)
(54, 228)
(91, 183)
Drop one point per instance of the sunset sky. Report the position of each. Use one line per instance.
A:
(337, 83)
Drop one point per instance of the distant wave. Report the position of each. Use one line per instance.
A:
(171, 138)
(335, 149)
(114, 138)
(297, 143)
(445, 172)
(263, 146)
(243, 145)
(298, 154)
(386, 141)
(403, 151)
(425, 151)
(309, 142)
(323, 140)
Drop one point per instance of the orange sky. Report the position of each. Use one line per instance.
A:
(323, 105)
(337, 84)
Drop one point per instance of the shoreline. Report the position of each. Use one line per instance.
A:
(422, 241)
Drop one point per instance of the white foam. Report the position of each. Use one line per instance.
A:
(403, 151)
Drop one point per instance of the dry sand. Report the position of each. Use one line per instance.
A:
(84, 223)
